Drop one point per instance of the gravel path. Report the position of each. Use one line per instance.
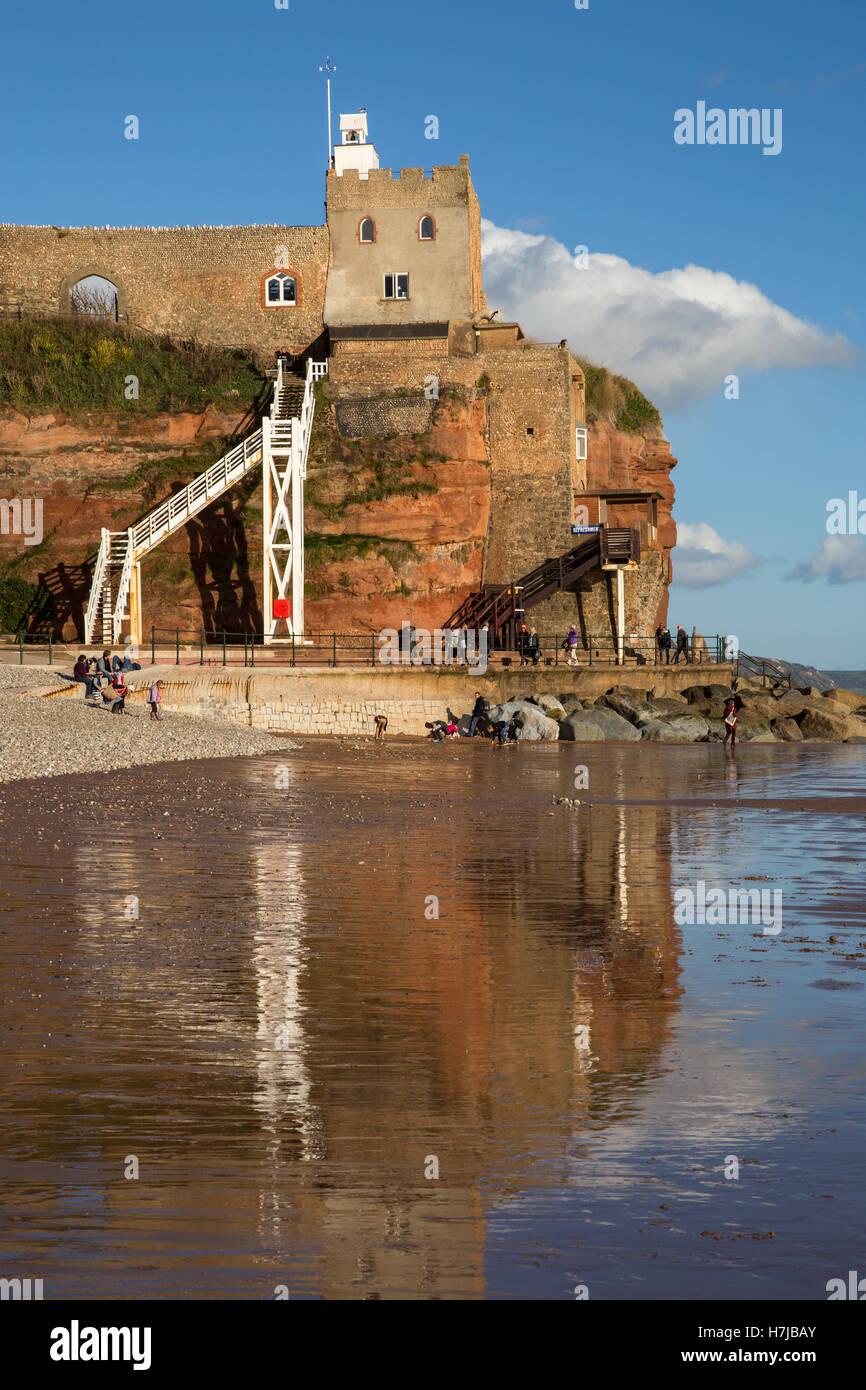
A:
(48, 738)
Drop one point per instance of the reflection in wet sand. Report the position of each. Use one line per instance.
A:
(287, 1035)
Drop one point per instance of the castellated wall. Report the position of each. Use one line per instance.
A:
(444, 273)
(191, 282)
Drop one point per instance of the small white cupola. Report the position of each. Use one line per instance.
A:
(355, 152)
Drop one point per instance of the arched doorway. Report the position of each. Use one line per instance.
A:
(94, 295)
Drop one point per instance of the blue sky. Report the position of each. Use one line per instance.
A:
(568, 117)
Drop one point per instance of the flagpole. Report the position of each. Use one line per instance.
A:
(327, 68)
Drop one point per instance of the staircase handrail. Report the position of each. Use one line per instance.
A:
(123, 584)
(96, 585)
(176, 510)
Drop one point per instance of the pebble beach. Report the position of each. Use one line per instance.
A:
(53, 737)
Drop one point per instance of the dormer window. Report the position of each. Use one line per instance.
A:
(281, 289)
(427, 229)
(367, 231)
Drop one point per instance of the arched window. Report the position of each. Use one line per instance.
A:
(427, 229)
(281, 289)
(367, 231)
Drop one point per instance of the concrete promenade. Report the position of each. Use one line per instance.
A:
(325, 700)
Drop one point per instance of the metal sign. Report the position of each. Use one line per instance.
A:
(584, 530)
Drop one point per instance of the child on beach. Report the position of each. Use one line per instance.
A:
(154, 699)
(730, 718)
(381, 722)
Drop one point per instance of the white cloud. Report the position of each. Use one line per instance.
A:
(841, 560)
(703, 558)
(677, 333)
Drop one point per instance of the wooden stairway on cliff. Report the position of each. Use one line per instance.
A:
(290, 419)
(498, 604)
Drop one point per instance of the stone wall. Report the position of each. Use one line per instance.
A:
(325, 701)
(205, 283)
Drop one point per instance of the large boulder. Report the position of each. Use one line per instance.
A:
(676, 728)
(635, 708)
(792, 704)
(695, 694)
(716, 733)
(753, 727)
(788, 730)
(669, 704)
(570, 702)
(551, 706)
(853, 700)
(575, 726)
(612, 725)
(537, 726)
(856, 729)
(719, 693)
(768, 707)
(824, 726)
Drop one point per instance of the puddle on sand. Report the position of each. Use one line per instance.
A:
(287, 1035)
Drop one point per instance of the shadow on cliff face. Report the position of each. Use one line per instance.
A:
(60, 601)
(219, 559)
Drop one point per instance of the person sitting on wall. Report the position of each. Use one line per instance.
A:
(81, 675)
(103, 669)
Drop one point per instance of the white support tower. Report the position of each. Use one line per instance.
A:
(285, 448)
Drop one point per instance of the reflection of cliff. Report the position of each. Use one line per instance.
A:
(312, 1037)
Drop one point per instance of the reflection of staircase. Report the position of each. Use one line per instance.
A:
(116, 572)
(497, 604)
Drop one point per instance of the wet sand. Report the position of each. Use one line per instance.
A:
(287, 1034)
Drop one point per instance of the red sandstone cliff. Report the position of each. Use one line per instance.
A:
(396, 527)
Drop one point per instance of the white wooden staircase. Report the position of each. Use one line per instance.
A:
(282, 444)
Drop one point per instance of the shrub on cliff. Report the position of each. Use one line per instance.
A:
(20, 601)
(618, 400)
(78, 365)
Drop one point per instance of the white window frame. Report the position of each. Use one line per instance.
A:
(280, 303)
(427, 218)
(367, 241)
(581, 442)
(395, 276)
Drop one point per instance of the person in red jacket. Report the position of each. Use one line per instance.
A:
(730, 718)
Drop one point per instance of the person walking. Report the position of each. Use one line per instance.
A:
(479, 712)
(665, 643)
(571, 642)
(154, 699)
(682, 644)
(533, 647)
(730, 718)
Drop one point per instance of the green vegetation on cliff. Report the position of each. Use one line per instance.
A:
(618, 400)
(82, 364)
